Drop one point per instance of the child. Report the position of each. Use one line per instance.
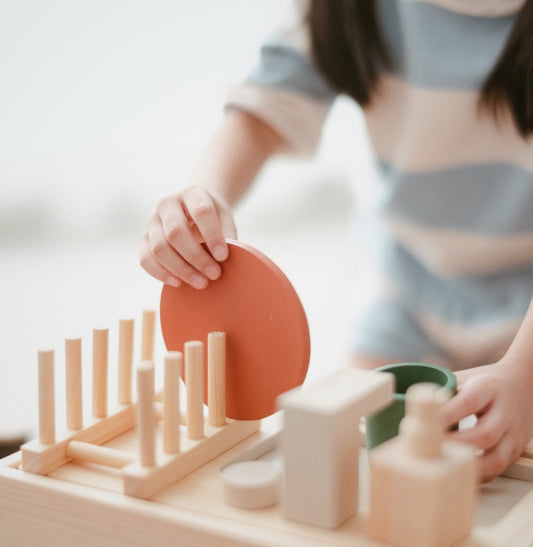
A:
(446, 88)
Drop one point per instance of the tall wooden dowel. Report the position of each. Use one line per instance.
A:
(194, 380)
(100, 357)
(47, 427)
(171, 402)
(147, 341)
(146, 415)
(73, 380)
(125, 360)
(216, 378)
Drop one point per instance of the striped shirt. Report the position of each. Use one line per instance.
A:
(449, 229)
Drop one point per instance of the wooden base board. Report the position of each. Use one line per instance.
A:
(83, 504)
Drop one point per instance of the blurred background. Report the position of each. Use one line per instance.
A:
(104, 105)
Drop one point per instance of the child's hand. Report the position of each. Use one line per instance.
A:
(501, 396)
(171, 247)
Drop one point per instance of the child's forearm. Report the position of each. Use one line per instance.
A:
(520, 353)
(234, 155)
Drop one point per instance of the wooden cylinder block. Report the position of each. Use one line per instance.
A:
(251, 484)
(171, 402)
(47, 429)
(125, 360)
(146, 415)
(216, 378)
(194, 380)
(73, 377)
(147, 341)
(100, 357)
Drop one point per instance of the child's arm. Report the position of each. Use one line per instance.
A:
(501, 395)
(171, 247)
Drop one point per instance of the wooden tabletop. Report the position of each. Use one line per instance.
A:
(82, 504)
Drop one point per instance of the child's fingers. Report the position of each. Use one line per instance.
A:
(153, 267)
(174, 244)
(228, 224)
(205, 214)
(172, 248)
(472, 398)
(161, 253)
(495, 461)
(167, 257)
(488, 431)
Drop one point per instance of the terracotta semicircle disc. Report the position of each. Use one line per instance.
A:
(267, 334)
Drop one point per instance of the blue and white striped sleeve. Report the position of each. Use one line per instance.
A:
(285, 90)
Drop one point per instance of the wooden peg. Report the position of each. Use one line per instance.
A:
(73, 383)
(100, 357)
(95, 453)
(146, 415)
(216, 378)
(171, 402)
(147, 341)
(125, 360)
(47, 429)
(194, 380)
(158, 409)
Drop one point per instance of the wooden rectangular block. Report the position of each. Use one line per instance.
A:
(320, 444)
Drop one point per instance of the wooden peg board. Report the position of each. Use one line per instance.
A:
(163, 453)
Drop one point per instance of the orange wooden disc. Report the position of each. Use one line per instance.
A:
(266, 329)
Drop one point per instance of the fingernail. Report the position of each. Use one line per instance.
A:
(197, 281)
(171, 280)
(220, 252)
(212, 272)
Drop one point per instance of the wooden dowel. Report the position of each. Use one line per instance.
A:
(100, 357)
(216, 378)
(146, 415)
(194, 381)
(158, 409)
(47, 428)
(125, 360)
(73, 380)
(102, 455)
(171, 402)
(147, 341)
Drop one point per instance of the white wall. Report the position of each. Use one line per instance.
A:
(105, 99)
(103, 105)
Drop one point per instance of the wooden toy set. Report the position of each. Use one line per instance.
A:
(162, 468)
(146, 473)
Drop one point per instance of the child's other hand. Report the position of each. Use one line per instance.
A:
(501, 396)
(171, 247)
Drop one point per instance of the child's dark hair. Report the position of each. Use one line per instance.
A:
(349, 50)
